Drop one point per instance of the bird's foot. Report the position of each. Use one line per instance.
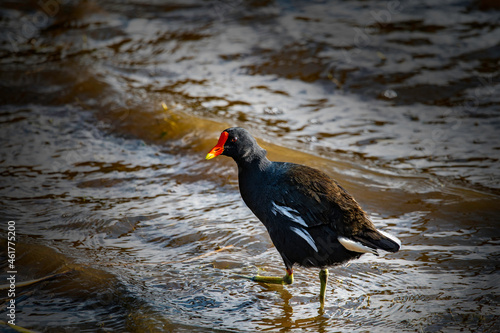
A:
(287, 279)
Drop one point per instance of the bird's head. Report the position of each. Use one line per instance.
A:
(237, 143)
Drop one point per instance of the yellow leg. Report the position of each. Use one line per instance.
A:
(323, 278)
(287, 279)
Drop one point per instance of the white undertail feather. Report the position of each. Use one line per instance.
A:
(354, 246)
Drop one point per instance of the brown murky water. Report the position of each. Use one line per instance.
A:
(399, 101)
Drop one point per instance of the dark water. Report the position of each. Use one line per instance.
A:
(399, 101)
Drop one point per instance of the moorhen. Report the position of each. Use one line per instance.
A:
(312, 220)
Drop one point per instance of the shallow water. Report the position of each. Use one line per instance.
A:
(398, 103)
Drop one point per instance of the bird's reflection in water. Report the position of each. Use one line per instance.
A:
(285, 321)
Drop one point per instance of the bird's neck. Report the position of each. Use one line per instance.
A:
(254, 160)
(252, 172)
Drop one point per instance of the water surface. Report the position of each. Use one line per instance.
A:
(397, 101)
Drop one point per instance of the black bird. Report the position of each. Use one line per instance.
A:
(312, 220)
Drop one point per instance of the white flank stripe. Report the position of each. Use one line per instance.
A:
(391, 237)
(287, 211)
(355, 246)
(306, 236)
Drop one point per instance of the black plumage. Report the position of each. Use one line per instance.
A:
(311, 219)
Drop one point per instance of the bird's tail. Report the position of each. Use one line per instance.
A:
(378, 239)
(388, 242)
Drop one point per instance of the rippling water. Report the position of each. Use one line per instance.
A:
(398, 101)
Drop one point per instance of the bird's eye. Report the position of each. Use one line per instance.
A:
(234, 139)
